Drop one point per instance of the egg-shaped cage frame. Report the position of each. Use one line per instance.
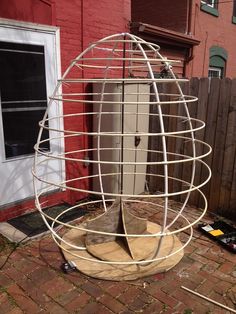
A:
(129, 136)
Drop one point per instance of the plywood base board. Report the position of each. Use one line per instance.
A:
(97, 269)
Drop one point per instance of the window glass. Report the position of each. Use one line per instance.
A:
(215, 72)
(212, 3)
(23, 96)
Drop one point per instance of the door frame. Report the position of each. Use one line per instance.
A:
(9, 32)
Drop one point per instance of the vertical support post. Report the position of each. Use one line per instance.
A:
(122, 121)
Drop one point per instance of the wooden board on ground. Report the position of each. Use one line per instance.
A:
(110, 222)
(111, 251)
(112, 248)
(100, 269)
(140, 247)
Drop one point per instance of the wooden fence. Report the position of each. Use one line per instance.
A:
(217, 107)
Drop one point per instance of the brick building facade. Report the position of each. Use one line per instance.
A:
(200, 33)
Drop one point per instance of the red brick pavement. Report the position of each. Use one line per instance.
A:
(32, 282)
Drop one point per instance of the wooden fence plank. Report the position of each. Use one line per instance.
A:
(186, 145)
(194, 91)
(231, 211)
(172, 127)
(177, 170)
(229, 154)
(219, 145)
(210, 129)
(201, 114)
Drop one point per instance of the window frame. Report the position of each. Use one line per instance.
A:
(234, 12)
(212, 9)
(26, 103)
(218, 57)
(213, 5)
(12, 26)
(16, 171)
(216, 69)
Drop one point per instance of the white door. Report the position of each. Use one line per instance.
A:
(29, 68)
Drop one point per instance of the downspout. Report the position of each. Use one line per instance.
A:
(84, 140)
(82, 74)
(190, 10)
(82, 25)
(189, 32)
(82, 49)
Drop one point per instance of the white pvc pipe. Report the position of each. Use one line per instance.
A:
(209, 300)
(136, 59)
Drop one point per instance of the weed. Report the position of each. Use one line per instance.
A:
(188, 311)
(164, 307)
(10, 298)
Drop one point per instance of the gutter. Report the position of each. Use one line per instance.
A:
(172, 36)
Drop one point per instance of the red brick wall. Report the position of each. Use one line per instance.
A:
(213, 31)
(81, 22)
(163, 13)
(209, 29)
(41, 11)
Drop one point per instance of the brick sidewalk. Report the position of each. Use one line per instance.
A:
(32, 282)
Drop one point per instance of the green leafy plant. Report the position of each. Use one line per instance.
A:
(164, 307)
(188, 311)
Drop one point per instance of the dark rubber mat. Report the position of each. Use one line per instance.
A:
(32, 224)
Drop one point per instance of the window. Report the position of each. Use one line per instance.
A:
(234, 12)
(210, 6)
(217, 62)
(215, 72)
(23, 96)
(211, 3)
